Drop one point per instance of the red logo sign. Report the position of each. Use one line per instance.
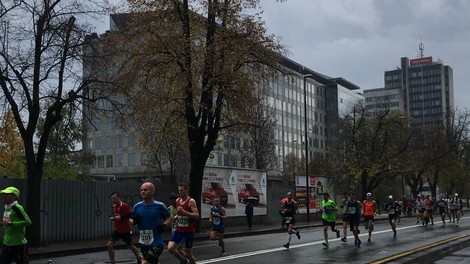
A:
(425, 60)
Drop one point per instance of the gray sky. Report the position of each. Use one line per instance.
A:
(360, 39)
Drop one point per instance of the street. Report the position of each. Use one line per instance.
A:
(413, 241)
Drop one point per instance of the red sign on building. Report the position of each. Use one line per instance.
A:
(418, 61)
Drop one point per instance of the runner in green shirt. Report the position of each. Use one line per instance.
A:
(329, 208)
(15, 220)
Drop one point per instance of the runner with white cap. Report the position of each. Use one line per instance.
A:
(392, 207)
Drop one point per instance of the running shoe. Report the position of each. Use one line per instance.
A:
(337, 233)
(223, 252)
(344, 239)
(325, 244)
(394, 234)
(297, 233)
(358, 243)
(286, 245)
(185, 261)
(368, 240)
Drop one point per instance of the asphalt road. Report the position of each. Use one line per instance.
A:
(414, 244)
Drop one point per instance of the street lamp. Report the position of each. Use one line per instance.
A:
(306, 144)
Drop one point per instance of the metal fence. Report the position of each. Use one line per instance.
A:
(77, 210)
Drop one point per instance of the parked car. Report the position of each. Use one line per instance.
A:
(212, 190)
(248, 192)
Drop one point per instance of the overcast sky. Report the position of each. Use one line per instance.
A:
(360, 39)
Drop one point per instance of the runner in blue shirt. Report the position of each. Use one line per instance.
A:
(152, 217)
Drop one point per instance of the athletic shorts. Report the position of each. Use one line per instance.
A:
(218, 229)
(345, 217)
(353, 221)
(368, 217)
(188, 237)
(328, 223)
(126, 237)
(289, 220)
(151, 254)
(392, 217)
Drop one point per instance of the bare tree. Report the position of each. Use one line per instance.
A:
(200, 62)
(40, 59)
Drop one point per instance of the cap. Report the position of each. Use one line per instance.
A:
(419, 195)
(369, 194)
(390, 196)
(11, 190)
(456, 194)
(173, 196)
(325, 194)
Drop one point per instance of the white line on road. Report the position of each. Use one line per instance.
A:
(265, 251)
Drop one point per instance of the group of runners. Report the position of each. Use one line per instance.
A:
(353, 210)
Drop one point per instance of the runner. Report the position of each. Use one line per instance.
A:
(187, 213)
(354, 208)
(122, 227)
(344, 205)
(328, 208)
(216, 218)
(392, 208)
(429, 209)
(370, 209)
(449, 208)
(419, 209)
(173, 212)
(151, 218)
(456, 203)
(289, 208)
(442, 206)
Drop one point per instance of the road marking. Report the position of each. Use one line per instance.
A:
(415, 250)
(265, 251)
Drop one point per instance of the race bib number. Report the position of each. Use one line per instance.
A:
(146, 237)
(216, 221)
(391, 211)
(352, 210)
(288, 219)
(182, 221)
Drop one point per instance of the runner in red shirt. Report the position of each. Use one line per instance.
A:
(122, 227)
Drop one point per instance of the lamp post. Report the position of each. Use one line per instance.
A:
(306, 144)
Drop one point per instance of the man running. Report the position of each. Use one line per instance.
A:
(187, 213)
(442, 206)
(456, 203)
(392, 207)
(419, 209)
(429, 209)
(370, 209)
(328, 208)
(290, 209)
(216, 219)
(344, 206)
(354, 208)
(151, 217)
(122, 227)
(172, 208)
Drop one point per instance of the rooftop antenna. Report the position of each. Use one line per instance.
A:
(421, 49)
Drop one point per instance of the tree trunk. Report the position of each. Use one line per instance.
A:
(33, 204)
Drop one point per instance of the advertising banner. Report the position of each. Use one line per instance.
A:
(235, 188)
(317, 186)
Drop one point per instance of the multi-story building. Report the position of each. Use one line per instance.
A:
(118, 155)
(427, 88)
(384, 98)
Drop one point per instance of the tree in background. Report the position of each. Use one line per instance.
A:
(11, 148)
(199, 63)
(40, 58)
(373, 145)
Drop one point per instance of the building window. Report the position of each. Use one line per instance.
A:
(109, 142)
(118, 160)
(143, 158)
(101, 161)
(98, 143)
(131, 159)
(109, 161)
(119, 141)
(130, 141)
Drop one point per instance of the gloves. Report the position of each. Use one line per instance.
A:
(161, 228)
